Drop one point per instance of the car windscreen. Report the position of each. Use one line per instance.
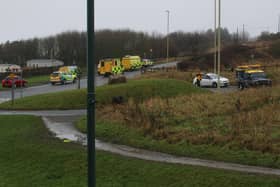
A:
(212, 76)
(12, 78)
(55, 74)
(257, 75)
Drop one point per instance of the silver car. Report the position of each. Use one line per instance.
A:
(211, 80)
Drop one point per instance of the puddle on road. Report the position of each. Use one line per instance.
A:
(63, 128)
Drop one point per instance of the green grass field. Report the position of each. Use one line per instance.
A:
(76, 99)
(38, 80)
(29, 156)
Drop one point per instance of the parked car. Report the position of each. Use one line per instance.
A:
(18, 81)
(252, 78)
(211, 80)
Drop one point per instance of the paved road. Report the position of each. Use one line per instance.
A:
(48, 88)
(61, 123)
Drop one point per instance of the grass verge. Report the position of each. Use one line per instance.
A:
(38, 80)
(29, 156)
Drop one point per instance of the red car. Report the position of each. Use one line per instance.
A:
(18, 81)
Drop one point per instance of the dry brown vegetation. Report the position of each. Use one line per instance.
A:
(248, 119)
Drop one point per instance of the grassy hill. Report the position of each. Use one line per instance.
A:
(139, 90)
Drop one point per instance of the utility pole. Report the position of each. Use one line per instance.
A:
(279, 23)
(243, 35)
(91, 94)
(215, 36)
(167, 37)
(237, 35)
(219, 44)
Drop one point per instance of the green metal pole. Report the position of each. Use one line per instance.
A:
(91, 94)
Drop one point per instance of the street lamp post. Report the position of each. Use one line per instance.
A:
(243, 33)
(91, 94)
(167, 36)
(219, 43)
(278, 23)
(215, 36)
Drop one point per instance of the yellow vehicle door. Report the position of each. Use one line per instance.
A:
(108, 67)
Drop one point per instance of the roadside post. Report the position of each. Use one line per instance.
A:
(79, 74)
(91, 94)
(13, 92)
(21, 84)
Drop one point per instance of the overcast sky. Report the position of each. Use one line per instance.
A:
(23, 19)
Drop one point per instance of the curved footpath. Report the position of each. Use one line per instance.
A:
(61, 123)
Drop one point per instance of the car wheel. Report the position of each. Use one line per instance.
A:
(214, 85)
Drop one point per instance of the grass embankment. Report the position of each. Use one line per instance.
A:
(34, 81)
(76, 99)
(29, 156)
(38, 80)
(242, 127)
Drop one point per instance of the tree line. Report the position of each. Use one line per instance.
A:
(70, 47)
